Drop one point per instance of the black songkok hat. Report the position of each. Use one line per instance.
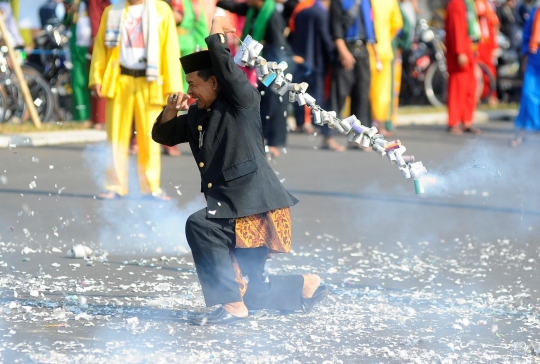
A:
(196, 61)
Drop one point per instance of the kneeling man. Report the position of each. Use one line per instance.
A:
(247, 215)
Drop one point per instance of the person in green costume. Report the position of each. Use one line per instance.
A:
(78, 21)
(192, 26)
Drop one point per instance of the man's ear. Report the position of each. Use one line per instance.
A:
(214, 83)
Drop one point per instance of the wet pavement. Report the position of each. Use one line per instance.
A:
(450, 276)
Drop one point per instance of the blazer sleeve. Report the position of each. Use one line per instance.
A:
(233, 82)
(171, 132)
(233, 6)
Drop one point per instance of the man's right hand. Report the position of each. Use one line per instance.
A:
(347, 60)
(95, 91)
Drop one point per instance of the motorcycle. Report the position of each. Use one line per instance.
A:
(424, 67)
(509, 73)
(427, 72)
(51, 58)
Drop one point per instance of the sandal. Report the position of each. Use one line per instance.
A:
(471, 129)
(109, 195)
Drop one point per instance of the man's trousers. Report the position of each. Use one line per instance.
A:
(129, 104)
(274, 116)
(354, 83)
(212, 243)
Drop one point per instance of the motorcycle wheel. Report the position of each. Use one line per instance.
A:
(15, 111)
(436, 85)
(63, 95)
(487, 81)
(41, 93)
(3, 104)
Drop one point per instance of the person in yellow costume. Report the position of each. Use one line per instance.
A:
(388, 22)
(135, 66)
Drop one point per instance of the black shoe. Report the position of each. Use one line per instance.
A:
(217, 317)
(318, 296)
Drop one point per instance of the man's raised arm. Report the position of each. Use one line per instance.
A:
(231, 79)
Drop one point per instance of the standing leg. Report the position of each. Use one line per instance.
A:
(342, 82)
(381, 94)
(149, 153)
(119, 116)
(97, 112)
(274, 119)
(468, 84)
(209, 240)
(360, 105)
(455, 102)
(397, 70)
(79, 83)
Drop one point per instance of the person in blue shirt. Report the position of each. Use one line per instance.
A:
(352, 29)
(528, 119)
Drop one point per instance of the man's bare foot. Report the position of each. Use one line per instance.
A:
(311, 283)
(274, 151)
(237, 309)
(331, 144)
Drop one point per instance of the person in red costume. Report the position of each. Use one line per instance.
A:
(97, 107)
(489, 27)
(461, 69)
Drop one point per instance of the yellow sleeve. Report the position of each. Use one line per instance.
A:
(170, 56)
(99, 54)
(396, 21)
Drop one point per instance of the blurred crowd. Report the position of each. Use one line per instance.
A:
(355, 55)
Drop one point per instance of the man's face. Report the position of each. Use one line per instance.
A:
(203, 92)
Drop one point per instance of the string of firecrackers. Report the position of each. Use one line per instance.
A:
(274, 73)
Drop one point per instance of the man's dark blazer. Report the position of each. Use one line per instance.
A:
(236, 178)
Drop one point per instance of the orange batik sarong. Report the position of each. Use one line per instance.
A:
(272, 229)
